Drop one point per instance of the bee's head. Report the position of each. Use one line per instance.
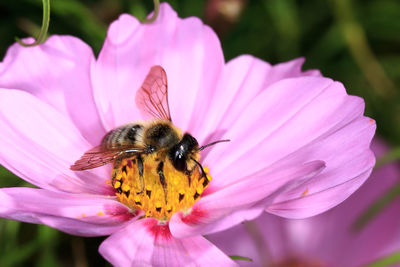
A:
(182, 151)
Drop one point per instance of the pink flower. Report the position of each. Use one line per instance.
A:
(329, 239)
(299, 144)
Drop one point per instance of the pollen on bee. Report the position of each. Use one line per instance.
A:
(149, 193)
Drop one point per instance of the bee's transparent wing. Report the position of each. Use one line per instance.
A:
(98, 156)
(152, 96)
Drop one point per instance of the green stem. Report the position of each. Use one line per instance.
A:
(389, 260)
(155, 14)
(377, 207)
(240, 258)
(45, 26)
(389, 157)
(360, 50)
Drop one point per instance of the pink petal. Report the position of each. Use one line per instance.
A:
(147, 243)
(307, 238)
(200, 221)
(242, 79)
(350, 164)
(58, 73)
(85, 215)
(241, 201)
(290, 69)
(268, 117)
(245, 240)
(188, 50)
(39, 144)
(287, 124)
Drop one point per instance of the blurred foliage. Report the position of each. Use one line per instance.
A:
(355, 42)
(390, 260)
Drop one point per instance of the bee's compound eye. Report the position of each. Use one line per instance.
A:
(179, 161)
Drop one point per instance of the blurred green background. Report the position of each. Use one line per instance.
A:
(355, 42)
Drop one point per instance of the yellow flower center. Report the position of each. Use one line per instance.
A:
(158, 199)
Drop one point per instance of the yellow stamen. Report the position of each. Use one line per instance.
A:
(151, 196)
(117, 184)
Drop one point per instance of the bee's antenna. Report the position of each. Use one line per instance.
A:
(213, 143)
(201, 167)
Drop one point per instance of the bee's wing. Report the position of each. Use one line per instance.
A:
(98, 156)
(152, 97)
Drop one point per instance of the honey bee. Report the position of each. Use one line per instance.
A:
(157, 138)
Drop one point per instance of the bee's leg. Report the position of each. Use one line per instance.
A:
(203, 173)
(115, 171)
(114, 176)
(141, 170)
(160, 170)
(189, 176)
